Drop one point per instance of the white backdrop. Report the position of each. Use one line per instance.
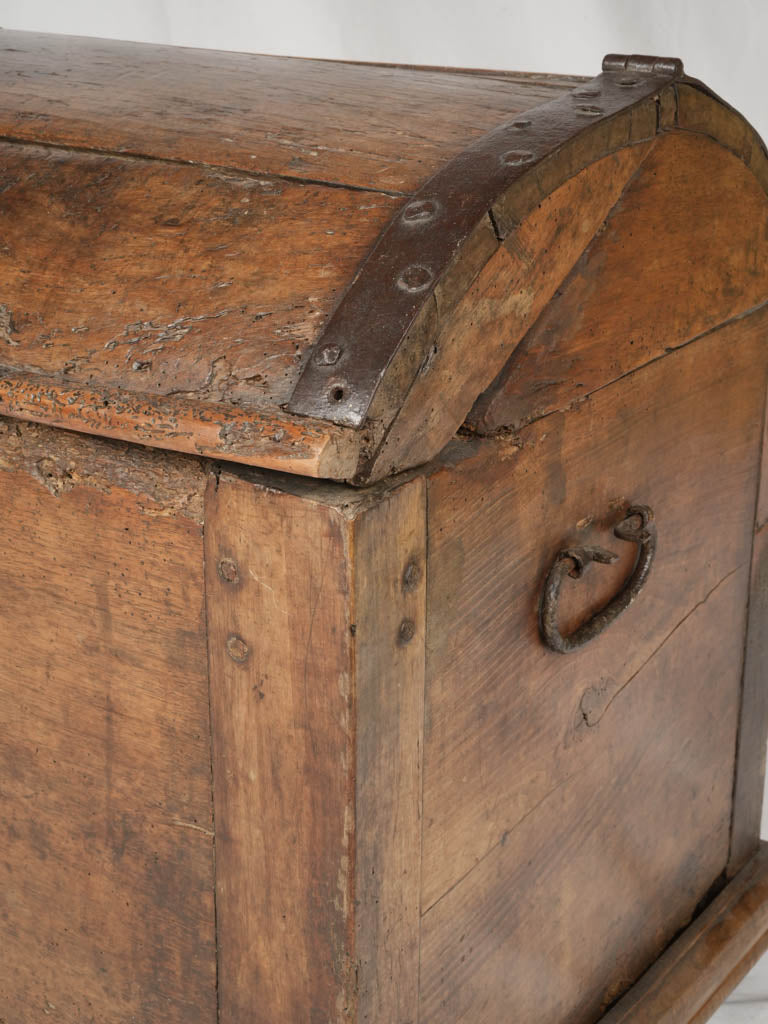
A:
(724, 43)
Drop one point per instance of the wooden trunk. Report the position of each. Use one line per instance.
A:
(385, 576)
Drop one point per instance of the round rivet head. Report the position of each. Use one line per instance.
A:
(228, 571)
(411, 576)
(588, 111)
(420, 211)
(328, 355)
(523, 122)
(237, 648)
(415, 278)
(517, 157)
(592, 91)
(627, 83)
(407, 631)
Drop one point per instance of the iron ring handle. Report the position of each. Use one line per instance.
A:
(575, 561)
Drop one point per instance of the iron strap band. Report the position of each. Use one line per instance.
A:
(347, 364)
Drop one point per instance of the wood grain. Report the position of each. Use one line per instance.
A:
(282, 704)
(170, 279)
(260, 114)
(753, 728)
(518, 738)
(390, 632)
(698, 971)
(106, 878)
(316, 617)
(689, 232)
(574, 904)
(473, 340)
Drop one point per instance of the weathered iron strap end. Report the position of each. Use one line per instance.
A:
(348, 362)
(574, 562)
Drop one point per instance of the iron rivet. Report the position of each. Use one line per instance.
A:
(407, 631)
(522, 123)
(587, 92)
(328, 355)
(415, 278)
(627, 83)
(420, 211)
(411, 576)
(588, 111)
(228, 571)
(516, 158)
(237, 648)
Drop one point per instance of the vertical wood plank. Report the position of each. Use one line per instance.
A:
(749, 774)
(390, 620)
(278, 597)
(753, 723)
(106, 872)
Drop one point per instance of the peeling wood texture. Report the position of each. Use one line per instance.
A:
(543, 772)
(277, 750)
(165, 484)
(106, 878)
(208, 220)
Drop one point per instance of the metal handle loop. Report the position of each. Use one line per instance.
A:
(574, 562)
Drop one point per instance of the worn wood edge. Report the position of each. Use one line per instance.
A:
(749, 767)
(389, 614)
(286, 948)
(677, 107)
(701, 110)
(749, 771)
(409, 438)
(275, 441)
(696, 973)
(170, 483)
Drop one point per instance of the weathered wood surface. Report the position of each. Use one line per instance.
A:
(316, 637)
(259, 114)
(106, 878)
(198, 239)
(169, 279)
(683, 250)
(527, 844)
(390, 633)
(697, 972)
(282, 701)
(472, 338)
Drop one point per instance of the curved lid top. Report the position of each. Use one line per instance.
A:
(237, 255)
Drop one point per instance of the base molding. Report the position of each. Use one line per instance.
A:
(706, 962)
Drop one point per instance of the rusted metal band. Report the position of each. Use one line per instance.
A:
(346, 366)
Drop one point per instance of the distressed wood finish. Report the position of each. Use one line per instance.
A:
(106, 900)
(260, 114)
(192, 197)
(519, 738)
(283, 754)
(693, 977)
(502, 301)
(604, 308)
(279, 750)
(316, 638)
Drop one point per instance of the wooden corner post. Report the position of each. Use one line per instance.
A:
(316, 617)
